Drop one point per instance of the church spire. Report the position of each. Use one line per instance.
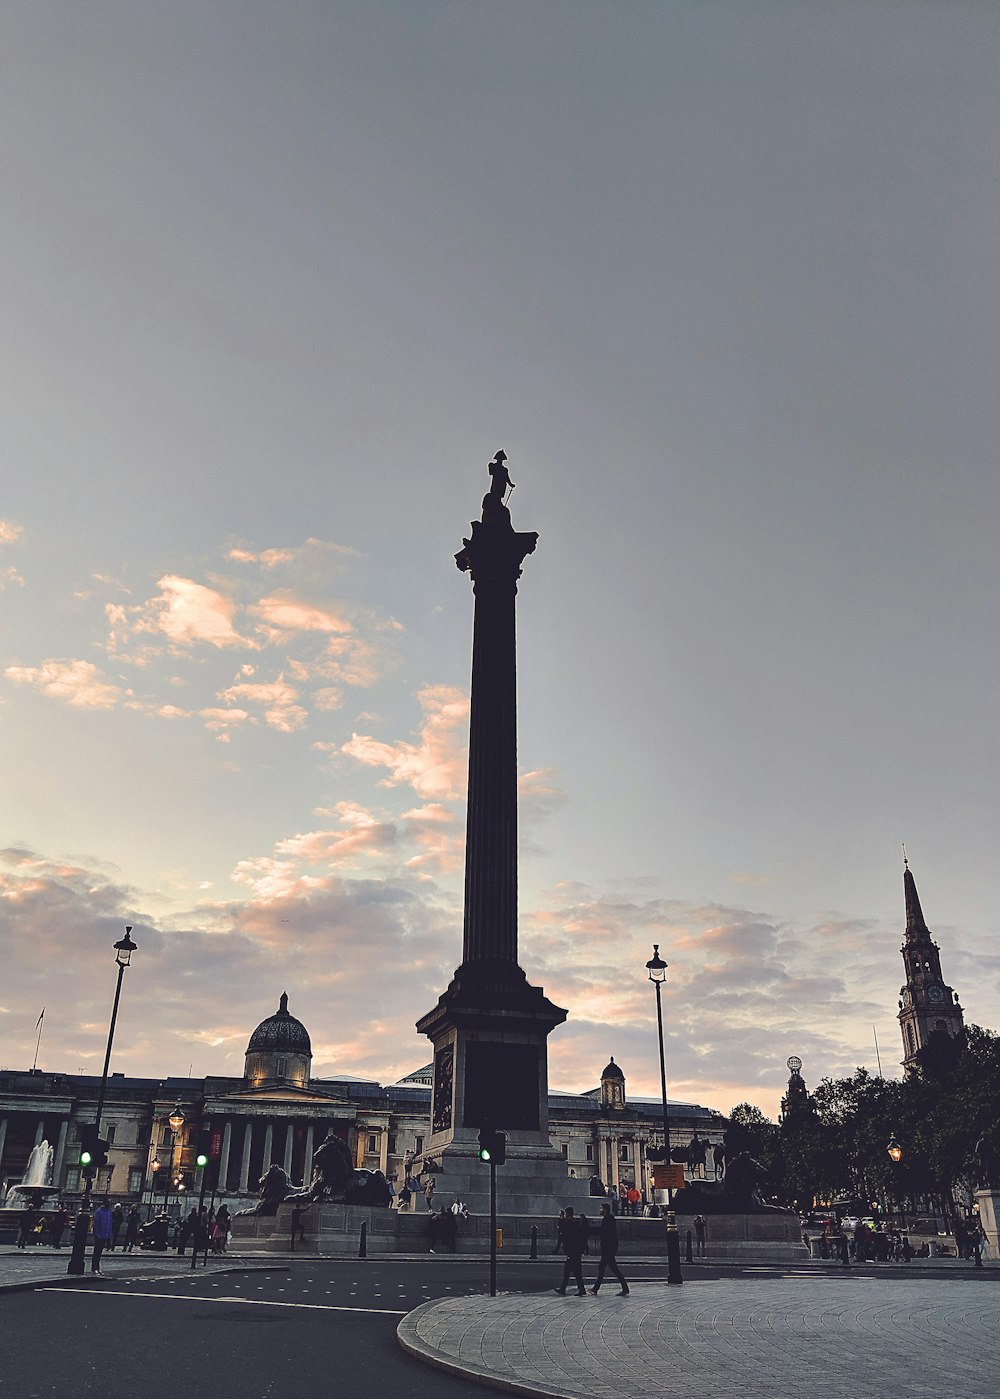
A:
(915, 925)
(927, 1004)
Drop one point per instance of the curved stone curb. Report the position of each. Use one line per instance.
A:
(794, 1337)
(408, 1336)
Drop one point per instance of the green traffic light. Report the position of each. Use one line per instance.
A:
(484, 1155)
(202, 1160)
(85, 1158)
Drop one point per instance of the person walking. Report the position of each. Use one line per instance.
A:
(132, 1223)
(103, 1226)
(700, 1230)
(59, 1226)
(609, 1249)
(430, 1185)
(574, 1241)
(117, 1220)
(25, 1224)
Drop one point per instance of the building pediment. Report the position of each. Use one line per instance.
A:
(284, 1095)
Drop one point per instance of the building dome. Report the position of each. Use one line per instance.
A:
(280, 1031)
(613, 1087)
(279, 1050)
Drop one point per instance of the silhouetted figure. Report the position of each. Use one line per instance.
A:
(574, 1241)
(609, 1249)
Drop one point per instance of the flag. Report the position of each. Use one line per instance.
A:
(40, 1018)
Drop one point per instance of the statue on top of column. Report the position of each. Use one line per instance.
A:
(494, 508)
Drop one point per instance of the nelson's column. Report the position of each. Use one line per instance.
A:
(490, 1026)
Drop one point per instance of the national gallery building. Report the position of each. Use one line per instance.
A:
(278, 1113)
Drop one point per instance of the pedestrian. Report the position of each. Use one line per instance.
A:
(700, 1230)
(574, 1241)
(560, 1229)
(132, 1222)
(633, 1200)
(103, 1225)
(430, 1185)
(25, 1224)
(117, 1220)
(188, 1227)
(609, 1249)
(59, 1226)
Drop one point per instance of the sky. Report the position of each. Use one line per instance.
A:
(278, 281)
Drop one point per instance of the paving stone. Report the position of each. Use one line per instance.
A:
(802, 1338)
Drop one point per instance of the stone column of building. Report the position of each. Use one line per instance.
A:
(245, 1162)
(383, 1151)
(39, 1130)
(614, 1163)
(289, 1143)
(307, 1159)
(227, 1141)
(57, 1162)
(489, 1028)
(268, 1145)
(3, 1137)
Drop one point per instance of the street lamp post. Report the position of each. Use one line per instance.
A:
(77, 1259)
(657, 970)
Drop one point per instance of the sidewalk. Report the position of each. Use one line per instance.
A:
(24, 1268)
(834, 1336)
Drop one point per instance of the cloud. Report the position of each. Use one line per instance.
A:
(189, 613)
(282, 615)
(277, 698)
(10, 532)
(435, 767)
(10, 575)
(77, 682)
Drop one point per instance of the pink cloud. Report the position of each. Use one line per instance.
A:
(277, 698)
(281, 615)
(9, 532)
(79, 683)
(187, 612)
(436, 766)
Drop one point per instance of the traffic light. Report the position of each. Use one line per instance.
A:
(93, 1147)
(204, 1151)
(492, 1145)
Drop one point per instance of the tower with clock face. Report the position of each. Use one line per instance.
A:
(926, 1006)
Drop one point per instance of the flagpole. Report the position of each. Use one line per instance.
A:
(39, 1039)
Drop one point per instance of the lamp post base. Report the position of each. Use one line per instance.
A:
(77, 1264)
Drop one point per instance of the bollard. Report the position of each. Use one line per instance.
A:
(673, 1250)
(363, 1241)
(688, 1255)
(534, 1241)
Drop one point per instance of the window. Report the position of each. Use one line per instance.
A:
(281, 1068)
(392, 1144)
(372, 1144)
(73, 1178)
(590, 1153)
(623, 1151)
(419, 1146)
(910, 1040)
(135, 1181)
(109, 1132)
(565, 1151)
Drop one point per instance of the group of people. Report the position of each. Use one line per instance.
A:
(573, 1239)
(113, 1227)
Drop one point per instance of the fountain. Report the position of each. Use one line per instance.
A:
(37, 1183)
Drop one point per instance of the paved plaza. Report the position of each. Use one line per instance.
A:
(828, 1336)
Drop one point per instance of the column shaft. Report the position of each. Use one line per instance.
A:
(245, 1163)
(307, 1160)
(227, 1141)
(491, 822)
(289, 1143)
(57, 1164)
(268, 1145)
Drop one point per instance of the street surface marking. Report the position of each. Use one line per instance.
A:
(233, 1301)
